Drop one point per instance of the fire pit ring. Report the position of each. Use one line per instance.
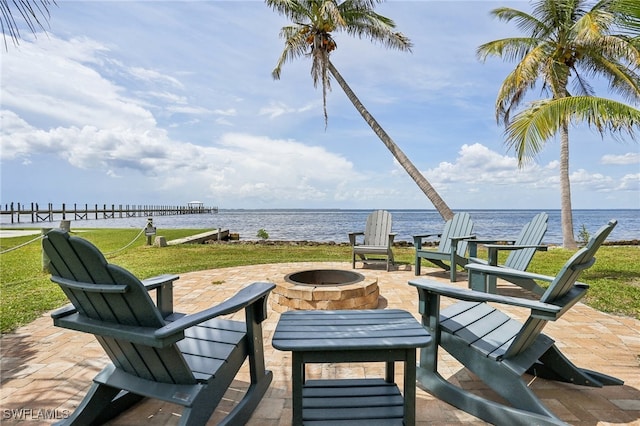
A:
(324, 277)
(330, 289)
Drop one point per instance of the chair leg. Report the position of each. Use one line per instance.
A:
(208, 399)
(242, 412)
(487, 410)
(499, 377)
(390, 260)
(100, 404)
(553, 365)
(452, 273)
(429, 380)
(454, 268)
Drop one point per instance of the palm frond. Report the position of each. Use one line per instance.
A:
(34, 13)
(623, 80)
(333, 15)
(518, 83)
(510, 49)
(528, 23)
(592, 26)
(314, 23)
(375, 27)
(295, 47)
(627, 14)
(291, 9)
(581, 86)
(532, 127)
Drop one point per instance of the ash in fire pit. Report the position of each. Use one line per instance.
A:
(328, 277)
(325, 289)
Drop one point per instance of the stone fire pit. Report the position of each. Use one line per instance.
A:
(325, 289)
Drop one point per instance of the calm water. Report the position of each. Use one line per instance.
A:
(334, 225)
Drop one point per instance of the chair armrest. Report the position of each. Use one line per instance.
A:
(417, 239)
(69, 318)
(391, 238)
(155, 282)
(422, 236)
(454, 245)
(515, 247)
(242, 299)
(546, 311)
(474, 243)
(462, 237)
(64, 311)
(503, 272)
(353, 236)
(538, 309)
(163, 285)
(494, 241)
(541, 310)
(427, 235)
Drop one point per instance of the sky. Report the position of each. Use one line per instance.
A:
(167, 102)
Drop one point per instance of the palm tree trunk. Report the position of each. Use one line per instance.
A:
(415, 174)
(566, 214)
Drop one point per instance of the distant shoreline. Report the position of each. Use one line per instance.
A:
(326, 225)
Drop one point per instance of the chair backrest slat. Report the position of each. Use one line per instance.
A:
(572, 270)
(458, 226)
(377, 228)
(560, 287)
(81, 265)
(530, 235)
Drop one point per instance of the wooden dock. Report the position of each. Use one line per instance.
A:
(20, 213)
(217, 235)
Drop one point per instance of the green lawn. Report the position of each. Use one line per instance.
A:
(26, 292)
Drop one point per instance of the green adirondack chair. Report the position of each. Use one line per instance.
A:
(189, 360)
(499, 349)
(374, 244)
(452, 247)
(521, 253)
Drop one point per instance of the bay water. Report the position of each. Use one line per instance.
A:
(324, 225)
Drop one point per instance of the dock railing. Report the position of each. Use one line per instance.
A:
(35, 214)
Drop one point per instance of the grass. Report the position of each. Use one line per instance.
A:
(26, 291)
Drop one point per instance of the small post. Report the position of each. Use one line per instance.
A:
(65, 225)
(149, 230)
(45, 259)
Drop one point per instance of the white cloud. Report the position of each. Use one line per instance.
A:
(478, 165)
(154, 76)
(625, 159)
(227, 112)
(149, 98)
(630, 183)
(53, 82)
(276, 109)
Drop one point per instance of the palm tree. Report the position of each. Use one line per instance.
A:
(34, 13)
(568, 42)
(314, 21)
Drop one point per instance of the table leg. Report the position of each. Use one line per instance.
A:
(390, 374)
(297, 381)
(492, 259)
(410, 387)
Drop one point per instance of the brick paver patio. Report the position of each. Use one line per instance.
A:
(46, 370)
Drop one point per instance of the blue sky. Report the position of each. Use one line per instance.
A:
(165, 102)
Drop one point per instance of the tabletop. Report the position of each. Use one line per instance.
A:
(348, 330)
